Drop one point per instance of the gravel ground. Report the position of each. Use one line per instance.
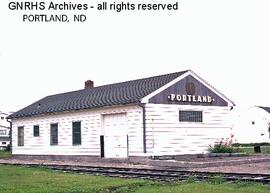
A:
(255, 168)
(72, 163)
(258, 164)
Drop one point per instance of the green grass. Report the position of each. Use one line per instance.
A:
(205, 188)
(250, 150)
(14, 179)
(4, 154)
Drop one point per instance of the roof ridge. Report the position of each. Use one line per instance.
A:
(138, 79)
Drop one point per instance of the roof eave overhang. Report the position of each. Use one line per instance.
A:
(75, 110)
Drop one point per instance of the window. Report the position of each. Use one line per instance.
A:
(20, 136)
(190, 116)
(76, 133)
(54, 134)
(3, 132)
(2, 118)
(36, 130)
(4, 143)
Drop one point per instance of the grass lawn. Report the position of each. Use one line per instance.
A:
(4, 154)
(250, 149)
(14, 179)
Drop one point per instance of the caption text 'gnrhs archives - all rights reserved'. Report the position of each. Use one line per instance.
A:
(43, 11)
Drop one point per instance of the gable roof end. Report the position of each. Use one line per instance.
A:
(189, 72)
(265, 108)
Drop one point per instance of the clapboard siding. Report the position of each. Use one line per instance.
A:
(165, 135)
(91, 128)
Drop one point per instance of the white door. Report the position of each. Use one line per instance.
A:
(115, 138)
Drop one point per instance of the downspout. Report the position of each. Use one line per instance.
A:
(10, 134)
(144, 126)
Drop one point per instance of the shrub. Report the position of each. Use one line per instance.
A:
(7, 148)
(191, 179)
(223, 146)
(216, 179)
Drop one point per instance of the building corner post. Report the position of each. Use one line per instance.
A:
(142, 105)
(10, 134)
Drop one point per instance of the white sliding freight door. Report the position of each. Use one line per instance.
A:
(115, 138)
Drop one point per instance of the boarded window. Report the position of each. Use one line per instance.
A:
(20, 136)
(76, 133)
(36, 130)
(54, 134)
(190, 116)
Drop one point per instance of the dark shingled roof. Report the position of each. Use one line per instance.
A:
(265, 108)
(122, 93)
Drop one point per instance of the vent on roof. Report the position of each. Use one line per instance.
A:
(88, 84)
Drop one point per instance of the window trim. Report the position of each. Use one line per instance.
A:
(73, 136)
(34, 130)
(51, 137)
(191, 121)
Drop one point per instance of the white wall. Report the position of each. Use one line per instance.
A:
(256, 132)
(167, 136)
(4, 128)
(3, 121)
(4, 138)
(91, 128)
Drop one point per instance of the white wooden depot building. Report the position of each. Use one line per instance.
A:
(253, 125)
(171, 114)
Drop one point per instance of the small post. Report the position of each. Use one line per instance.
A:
(257, 149)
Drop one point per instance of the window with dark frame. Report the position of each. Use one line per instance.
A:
(20, 136)
(190, 116)
(36, 130)
(76, 133)
(54, 134)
